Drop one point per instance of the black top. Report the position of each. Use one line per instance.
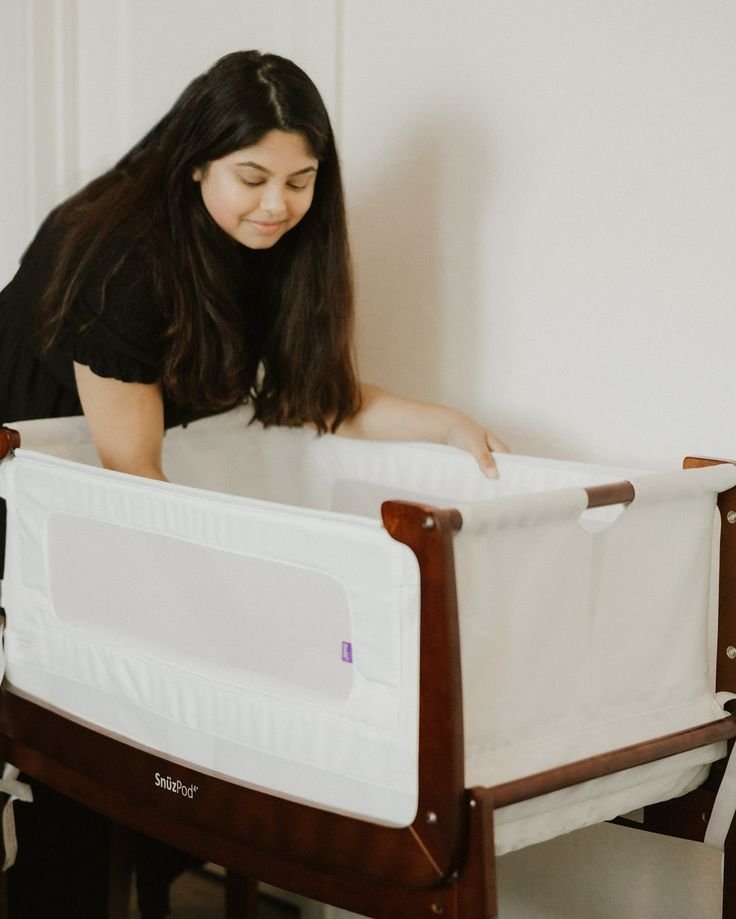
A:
(124, 341)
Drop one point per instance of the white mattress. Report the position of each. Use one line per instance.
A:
(255, 620)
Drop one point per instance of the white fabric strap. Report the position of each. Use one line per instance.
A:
(724, 806)
(10, 786)
(16, 791)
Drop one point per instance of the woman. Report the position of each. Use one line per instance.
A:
(209, 267)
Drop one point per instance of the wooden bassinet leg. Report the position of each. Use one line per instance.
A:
(241, 897)
(729, 877)
(121, 873)
(476, 885)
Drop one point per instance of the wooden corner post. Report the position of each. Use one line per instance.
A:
(447, 815)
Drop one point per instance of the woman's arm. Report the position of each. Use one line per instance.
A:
(126, 421)
(385, 416)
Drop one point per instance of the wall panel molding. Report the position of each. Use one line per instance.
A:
(15, 142)
(51, 100)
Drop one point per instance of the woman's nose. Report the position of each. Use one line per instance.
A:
(272, 199)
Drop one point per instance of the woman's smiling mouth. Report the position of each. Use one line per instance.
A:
(267, 227)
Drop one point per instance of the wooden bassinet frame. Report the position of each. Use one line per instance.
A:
(441, 865)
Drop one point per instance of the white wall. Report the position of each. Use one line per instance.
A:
(542, 203)
(15, 224)
(543, 206)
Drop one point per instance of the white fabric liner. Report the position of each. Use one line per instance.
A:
(257, 622)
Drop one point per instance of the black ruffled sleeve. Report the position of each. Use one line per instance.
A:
(116, 327)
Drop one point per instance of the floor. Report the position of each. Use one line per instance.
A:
(201, 895)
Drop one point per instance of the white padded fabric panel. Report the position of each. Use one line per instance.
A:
(347, 742)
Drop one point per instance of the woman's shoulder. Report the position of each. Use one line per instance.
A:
(34, 268)
(116, 322)
(121, 267)
(119, 253)
(39, 252)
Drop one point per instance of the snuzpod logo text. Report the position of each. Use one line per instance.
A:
(175, 786)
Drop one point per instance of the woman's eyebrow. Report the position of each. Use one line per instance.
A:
(268, 171)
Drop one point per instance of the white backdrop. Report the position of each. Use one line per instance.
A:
(542, 200)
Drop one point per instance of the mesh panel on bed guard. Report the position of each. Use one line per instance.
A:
(252, 622)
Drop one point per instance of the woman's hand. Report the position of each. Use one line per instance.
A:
(466, 434)
(385, 416)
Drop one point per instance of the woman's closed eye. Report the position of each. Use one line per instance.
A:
(293, 186)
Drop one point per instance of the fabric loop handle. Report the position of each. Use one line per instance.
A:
(724, 806)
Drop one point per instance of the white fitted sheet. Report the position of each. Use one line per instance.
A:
(256, 621)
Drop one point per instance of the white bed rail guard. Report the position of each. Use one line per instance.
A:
(272, 645)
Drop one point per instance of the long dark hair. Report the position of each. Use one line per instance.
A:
(283, 336)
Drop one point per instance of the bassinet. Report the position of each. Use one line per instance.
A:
(262, 662)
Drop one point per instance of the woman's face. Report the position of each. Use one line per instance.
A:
(259, 193)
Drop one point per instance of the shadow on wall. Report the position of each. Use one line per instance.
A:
(417, 224)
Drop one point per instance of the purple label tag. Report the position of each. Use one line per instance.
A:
(347, 652)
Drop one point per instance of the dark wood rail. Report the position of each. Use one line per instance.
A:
(595, 767)
(9, 441)
(615, 493)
